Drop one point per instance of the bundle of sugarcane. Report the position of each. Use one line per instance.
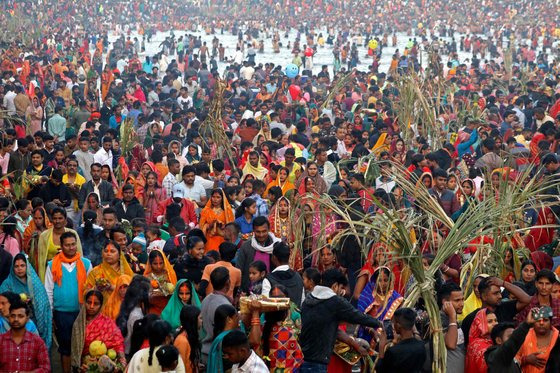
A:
(212, 126)
(128, 136)
(336, 87)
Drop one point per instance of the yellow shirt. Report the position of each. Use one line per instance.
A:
(79, 181)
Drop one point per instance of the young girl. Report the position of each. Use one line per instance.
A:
(168, 358)
(244, 216)
(311, 278)
(257, 273)
(153, 238)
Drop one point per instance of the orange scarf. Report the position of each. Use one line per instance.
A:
(81, 271)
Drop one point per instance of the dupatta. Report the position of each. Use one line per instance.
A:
(479, 342)
(171, 312)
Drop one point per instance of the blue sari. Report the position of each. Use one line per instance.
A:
(215, 355)
(35, 290)
(385, 312)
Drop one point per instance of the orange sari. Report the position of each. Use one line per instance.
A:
(285, 186)
(212, 223)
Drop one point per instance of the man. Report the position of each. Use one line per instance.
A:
(104, 155)
(544, 280)
(57, 125)
(187, 206)
(232, 234)
(192, 190)
(236, 349)
(384, 181)
(451, 298)
(23, 215)
(84, 157)
(219, 278)
(446, 198)
(408, 354)
(80, 116)
(227, 253)
(283, 275)
(21, 102)
(500, 357)
(490, 160)
(326, 168)
(129, 208)
(102, 238)
(20, 350)
(102, 188)
(35, 175)
(19, 160)
(171, 178)
(491, 296)
(540, 352)
(321, 313)
(73, 181)
(262, 242)
(64, 282)
(55, 191)
(507, 124)
(288, 162)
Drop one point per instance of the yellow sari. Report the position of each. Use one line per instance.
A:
(380, 145)
(113, 304)
(104, 274)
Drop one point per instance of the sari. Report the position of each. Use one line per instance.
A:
(380, 145)
(159, 301)
(215, 361)
(282, 228)
(318, 181)
(171, 312)
(540, 235)
(31, 239)
(35, 290)
(323, 228)
(102, 274)
(113, 304)
(530, 346)
(472, 303)
(209, 221)
(285, 186)
(100, 328)
(479, 341)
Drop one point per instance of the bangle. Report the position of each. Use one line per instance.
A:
(452, 323)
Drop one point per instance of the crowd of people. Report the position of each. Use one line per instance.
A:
(132, 240)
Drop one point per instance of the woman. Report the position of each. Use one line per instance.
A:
(145, 361)
(479, 341)
(92, 203)
(162, 280)
(307, 193)
(191, 265)
(107, 175)
(175, 149)
(134, 306)
(113, 304)
(104, 276)
(258, 171)
(88, 232)
(8, 238)
(23, 280)
(276, 341)
(281, 181)
(398, 150)
(188, 341)
(192, 155)
(543, 233)
(225, 320)
(528, 274)
(382, 144)
(38, 225)
(213, 217)
(379, 299)
(34, 115)
(473, 301)
(312, 171)
(150, 195)
(327, 260)
(183, 295)
(280, 220)
(92, 325)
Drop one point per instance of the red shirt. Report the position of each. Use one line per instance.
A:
(30, 355)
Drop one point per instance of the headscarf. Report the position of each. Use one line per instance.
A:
(479, 342)
(37, 294)
(171, 312)
(540, 235)
(380, 144)
(285, 186)
(320, 184)
(113, 304)
(258, 172)
(171, 276)
(80, 271)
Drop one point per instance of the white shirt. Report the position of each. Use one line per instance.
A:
(266, 286)
(253, 364)
(186, 103)
(49, 282)
(206, 183)
(9, 102)
(195, 192)
(104, 158)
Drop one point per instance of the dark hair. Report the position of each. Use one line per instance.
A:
(58, 210)
(137, 295)
(189, 324)
(445, 291)
(140, 331)
(546, 273)
(220, 317)
(405, 317)
(333, 276)
(227, 251)
(484, 285)
(219, 278)
(235, 338)
(438, 172)
(21, 204)
(259, 221)
(11, 297)
(110, 210)
(246, 203)
(167, 356)
(158, 331)
(192, 241)
(9, 226)
(499, 329)
(18, 304)
(313, 274)
(281, 251)
(94, 292)
(89, 217)
(153, 255)
(259, 265)
(66, 235)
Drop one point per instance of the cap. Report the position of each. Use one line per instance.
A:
(178, 191)
(140, 240)
(544, 312)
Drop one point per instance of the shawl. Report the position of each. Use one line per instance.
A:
(28, 235)
(472, 303)
(479, 341)
(318, 181)
(380, 145)
(34, 288)
(265, 249)
(285, 186)
(106, 272)
(171, 313)
(113, 304)
(100, 328)
(258, 172)
(171, 276)
(540, 235)
(215, 362)
(80, 271)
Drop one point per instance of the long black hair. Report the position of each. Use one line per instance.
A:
(246, 203)
(189, 324)
(140, 332)
(89, 218)
(137, 295)
(159, 330)
(220, 318)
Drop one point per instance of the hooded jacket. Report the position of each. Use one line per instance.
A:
(133, 211)
(291, 280)
(321, 313)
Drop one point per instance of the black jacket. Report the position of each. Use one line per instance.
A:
(291, 280)
(134, 210)
(500, 358)
(321, 313)
(105, 190)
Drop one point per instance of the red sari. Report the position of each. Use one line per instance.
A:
(479, 342)
(103, 329)
(540, 236)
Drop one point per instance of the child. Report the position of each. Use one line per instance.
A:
(244, 216)
(311, 278)
(257, 273)
(136, 255)
(153, 238)
(168, 358)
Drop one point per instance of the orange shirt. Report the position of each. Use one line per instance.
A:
(234, 276)
(530, 346)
